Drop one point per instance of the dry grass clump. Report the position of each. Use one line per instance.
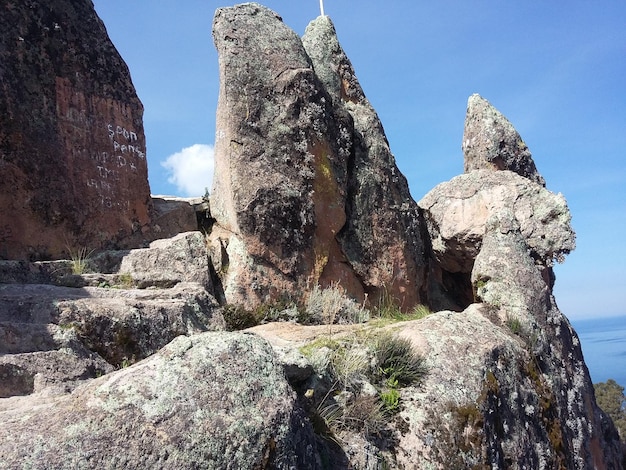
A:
(331, 305)
(364, 376)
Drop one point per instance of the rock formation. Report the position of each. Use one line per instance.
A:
(382, 237)
(505, 231)
(302, 167)
(126, 366)
(210, 401)
(58, 329)
(491, 142)
(72, 147)
(456, 213)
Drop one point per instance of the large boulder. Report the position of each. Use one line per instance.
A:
(491, 142)
(167, 262)
(306, 190)
(280, 161)
(499, 392)
(215, 401)
(456, 213)
(505, 275)
(72, 146)
(519, 294)
(492, 399)
(497, 234)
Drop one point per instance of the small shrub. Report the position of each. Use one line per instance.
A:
(349, 364)
(361, 393)
(388, 307)
(331, 305)
(238, 318)
(515, 325)
(125, 280)
(420, 311)
(327, 420)
(479, 289)
(391, 399)
(125, 363)
(397, 360)
(366, 414)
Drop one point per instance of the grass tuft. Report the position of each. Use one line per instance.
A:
(397, 361)
(80, 260)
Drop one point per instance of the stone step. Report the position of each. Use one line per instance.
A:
(17, 338)
(165, 263)
(56, 371)
(34, 303)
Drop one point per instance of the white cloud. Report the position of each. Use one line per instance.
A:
(191, 169)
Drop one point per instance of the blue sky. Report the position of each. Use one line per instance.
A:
(556, 69)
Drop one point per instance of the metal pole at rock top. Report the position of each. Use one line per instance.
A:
(322, 7)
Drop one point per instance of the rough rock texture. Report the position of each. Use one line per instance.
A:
(306, 192)
(456, 213)
(491, 142)
(280, 161)
(215, 401)
(508, 279)
(174, 215)
(296, 174)
(182, 258)
(72, 147)
(492, 400)
(382, 236)
(497, 234)
(52, 336)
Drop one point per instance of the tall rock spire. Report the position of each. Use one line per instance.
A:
(382, 236)
(306, 190)
(491, 142)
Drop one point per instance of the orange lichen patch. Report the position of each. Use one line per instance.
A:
(346, 93)
(330, 264)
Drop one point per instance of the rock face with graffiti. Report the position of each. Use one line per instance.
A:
(72, 147)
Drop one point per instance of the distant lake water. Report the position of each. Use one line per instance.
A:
(604, 346)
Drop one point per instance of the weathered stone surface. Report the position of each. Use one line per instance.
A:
(72, 147)
(504, 273)
(182, 258)
(280, 161)
(173, 215)
(490, 399)
(119, 324)
(49, 372)
(456, 213)
(509, 280)
(129, 326)
(493, 395)
(215, 401)
(381, 238)
(491, 142)
(306, 190)
(105, 316)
